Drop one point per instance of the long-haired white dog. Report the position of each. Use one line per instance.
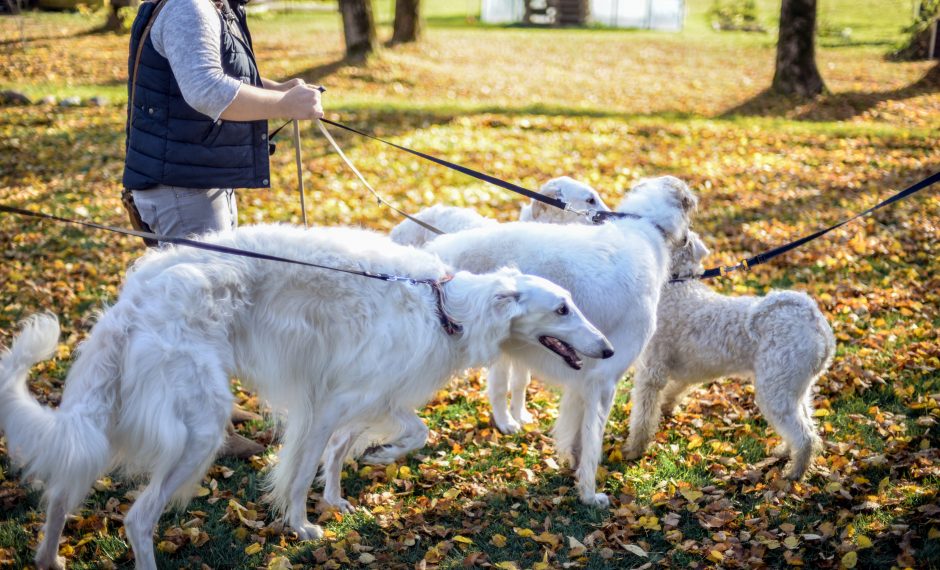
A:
(384, 444)
(450, 219)
(615, 272)
(149, 389)
(781, 341)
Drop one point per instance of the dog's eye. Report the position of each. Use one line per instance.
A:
(591, 201)
(562, 310)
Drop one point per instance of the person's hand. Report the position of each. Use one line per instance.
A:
(302, 102)
(290, 84)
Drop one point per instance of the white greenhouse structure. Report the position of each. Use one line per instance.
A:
(666, 15)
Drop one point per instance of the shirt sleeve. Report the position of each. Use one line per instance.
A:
(188, 34)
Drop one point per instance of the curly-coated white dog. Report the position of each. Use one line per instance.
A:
(615, 272)
(781, 341)
(149, 389)
(450, 219)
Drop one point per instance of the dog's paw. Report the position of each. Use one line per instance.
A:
(524, 417)
(56, 563)
(598, 500)
(341, 505)
(379, 455)
(631, 453)
(508, 426)
(308, 531)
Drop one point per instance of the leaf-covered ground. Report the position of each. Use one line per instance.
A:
(607, 107)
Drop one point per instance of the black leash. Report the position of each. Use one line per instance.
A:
(600, 217)
(746, 264)
(450, 326)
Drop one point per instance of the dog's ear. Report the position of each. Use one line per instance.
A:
(688, 201)
(506, 302)
(550, 189)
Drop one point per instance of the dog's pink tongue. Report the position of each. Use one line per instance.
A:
(563, 350)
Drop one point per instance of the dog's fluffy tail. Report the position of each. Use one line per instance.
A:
(66, 449)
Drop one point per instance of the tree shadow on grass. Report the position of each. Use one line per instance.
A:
(831, 107)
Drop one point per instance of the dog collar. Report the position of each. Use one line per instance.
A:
(451, 327)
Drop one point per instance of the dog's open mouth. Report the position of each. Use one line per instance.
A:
(562, 349)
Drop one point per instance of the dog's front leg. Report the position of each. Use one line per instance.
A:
(519, 380)
(497, 389)
(645, 412)
(598, 400)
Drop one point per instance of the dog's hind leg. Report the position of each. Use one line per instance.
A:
(309, 429)
(141, 521)
(412, 435)
(788, 416)
(497, 389)
(47, 555)
(672, 395)
(333, 470)
(645, 412)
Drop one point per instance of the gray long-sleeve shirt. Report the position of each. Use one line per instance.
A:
(188, 34)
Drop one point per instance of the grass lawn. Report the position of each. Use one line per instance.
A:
(604, 106)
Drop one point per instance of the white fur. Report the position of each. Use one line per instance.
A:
(149, 389)
(448, 219)
(451, 219)
(781, 341)
(615, 273)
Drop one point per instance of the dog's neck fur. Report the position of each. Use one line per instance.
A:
(474, 302)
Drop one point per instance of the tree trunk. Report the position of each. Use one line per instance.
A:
(407, 21)
(358, 27)
(118, 20)
(796, 71)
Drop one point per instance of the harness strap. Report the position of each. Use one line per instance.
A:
(450, 326)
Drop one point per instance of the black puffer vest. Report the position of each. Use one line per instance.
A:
(171, 143)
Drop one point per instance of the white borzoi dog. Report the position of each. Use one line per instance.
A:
(450, 219)
(615, 273)
(149, 390)
(385, 443)
(782, 342)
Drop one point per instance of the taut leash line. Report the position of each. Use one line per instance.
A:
(450, 326)
(746, 264)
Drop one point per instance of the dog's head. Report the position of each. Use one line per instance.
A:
(687, 258)
(578, 195)
(544, 313)
(665, 201)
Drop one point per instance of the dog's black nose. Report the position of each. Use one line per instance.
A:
(607, 353)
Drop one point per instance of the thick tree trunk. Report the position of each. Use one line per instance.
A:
(118, 20)
(407, 21)
(796, 71)
(358, 26)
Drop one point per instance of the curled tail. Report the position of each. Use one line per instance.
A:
(66, 449)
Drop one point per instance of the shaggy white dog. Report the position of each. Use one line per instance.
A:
(615, 272)
(451, 219)
(781, 341)
(149, 389)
